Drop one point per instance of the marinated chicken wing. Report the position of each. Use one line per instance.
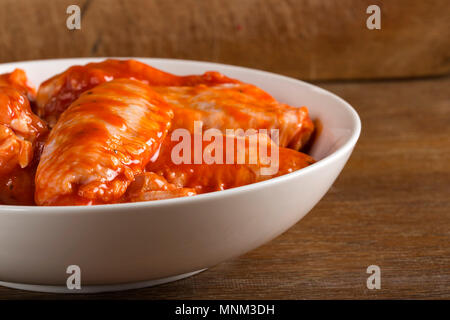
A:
(58, 92)
(22, 134)
(237, 105)
(17, 187)
(108, 144)
(149, 186)
(18, 80)
(100, 143)
(220, 102)
(238, 161)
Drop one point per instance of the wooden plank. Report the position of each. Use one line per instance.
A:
(318, 39)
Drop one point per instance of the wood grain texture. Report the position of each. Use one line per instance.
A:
(309, 39)
(389, 207)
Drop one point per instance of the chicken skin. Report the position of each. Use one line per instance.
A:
(237, 106)
(149, 186)
(57, 93)
(19, 81)
(22, 134)
(220, 102)
(100, 143)
(238, 161)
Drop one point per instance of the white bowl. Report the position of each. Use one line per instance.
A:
(124, 246)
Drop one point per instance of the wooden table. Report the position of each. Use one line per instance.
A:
(389, 207)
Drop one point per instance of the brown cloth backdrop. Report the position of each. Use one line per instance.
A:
(308, 39)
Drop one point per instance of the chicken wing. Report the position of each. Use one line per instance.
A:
(100, 143)
(237, 106)
(149, 186)
(234, 168)
(58, 92)
(220, 102)
(22, 134)
(19, 81)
